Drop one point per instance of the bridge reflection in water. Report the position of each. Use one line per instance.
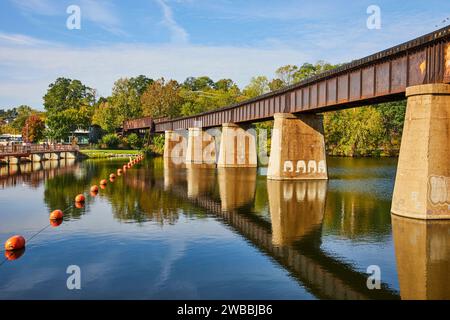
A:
(34, 173)
(422, 250)
(292, 234)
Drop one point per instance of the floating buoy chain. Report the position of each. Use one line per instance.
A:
(15, 245)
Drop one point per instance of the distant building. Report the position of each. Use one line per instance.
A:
(80, 136)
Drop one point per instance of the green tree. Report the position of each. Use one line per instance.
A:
(125, 99)
(257, 86)
(69, 106)
(140, 84)
(198, 84)
(105, 116)
(22, 112)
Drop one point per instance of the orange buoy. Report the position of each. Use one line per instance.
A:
(80, 198)
(15, 243)
(112, 176)
(79, 205)
(56, 215)
(104, 182)
(112, 179)
(119, 171)
(103, 186)
(94, 189)
(14, 255)
(56, 223)
(129, 165)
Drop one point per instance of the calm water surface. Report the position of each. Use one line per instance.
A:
(166, 232)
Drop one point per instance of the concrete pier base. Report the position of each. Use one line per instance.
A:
(13, 160)
(201, 147)
(237, 147)
(35, 157)
(422, 184)
(175, 146)
(70, 155)
(298, 148)
(54, 156)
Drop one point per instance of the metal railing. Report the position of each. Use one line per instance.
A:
(36, 148)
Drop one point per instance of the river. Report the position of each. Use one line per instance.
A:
(166, 232)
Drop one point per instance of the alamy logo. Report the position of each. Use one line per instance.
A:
(74, 280)
(374, 280)
(374, 20)
(74, 20)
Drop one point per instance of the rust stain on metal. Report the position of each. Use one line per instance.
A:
(447, 63)
(423, 67)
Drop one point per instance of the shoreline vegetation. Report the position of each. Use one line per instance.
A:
(70, 106)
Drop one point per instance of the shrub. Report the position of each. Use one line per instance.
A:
(111, 140)
(134, 141)
(157, 145)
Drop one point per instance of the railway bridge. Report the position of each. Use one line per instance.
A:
(418, 70)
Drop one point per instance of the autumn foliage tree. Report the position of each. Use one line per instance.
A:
(33, 129)
(162, 99)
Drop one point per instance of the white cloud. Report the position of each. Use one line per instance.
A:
(42, 7)
(19, 39)
(26, 72)
(178, 34)
(102, 13)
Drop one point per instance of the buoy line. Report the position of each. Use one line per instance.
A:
(15, 246)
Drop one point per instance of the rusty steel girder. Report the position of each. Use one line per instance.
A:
(380, 77)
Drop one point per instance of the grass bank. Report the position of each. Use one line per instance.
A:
(99, 153)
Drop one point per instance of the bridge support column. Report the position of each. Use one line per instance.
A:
(13, 160)
(237, 147)
(55, 156)
(422, 184)
(35, 157)
(70, 155)
(201, 147)
(298, 148)
(175, 147)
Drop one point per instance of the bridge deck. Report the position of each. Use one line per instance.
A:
(381, 77)
(26, 151)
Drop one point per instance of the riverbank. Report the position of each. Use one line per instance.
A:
(102, 154)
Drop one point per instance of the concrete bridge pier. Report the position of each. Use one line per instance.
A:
(69, 155)
(298, 148)
(54, 156)
(422, 184)
(237, 147)
(36, 157)
(175, 145)
(201, 147)
(13, 160)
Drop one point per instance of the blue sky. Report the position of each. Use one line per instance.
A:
(181, 38)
